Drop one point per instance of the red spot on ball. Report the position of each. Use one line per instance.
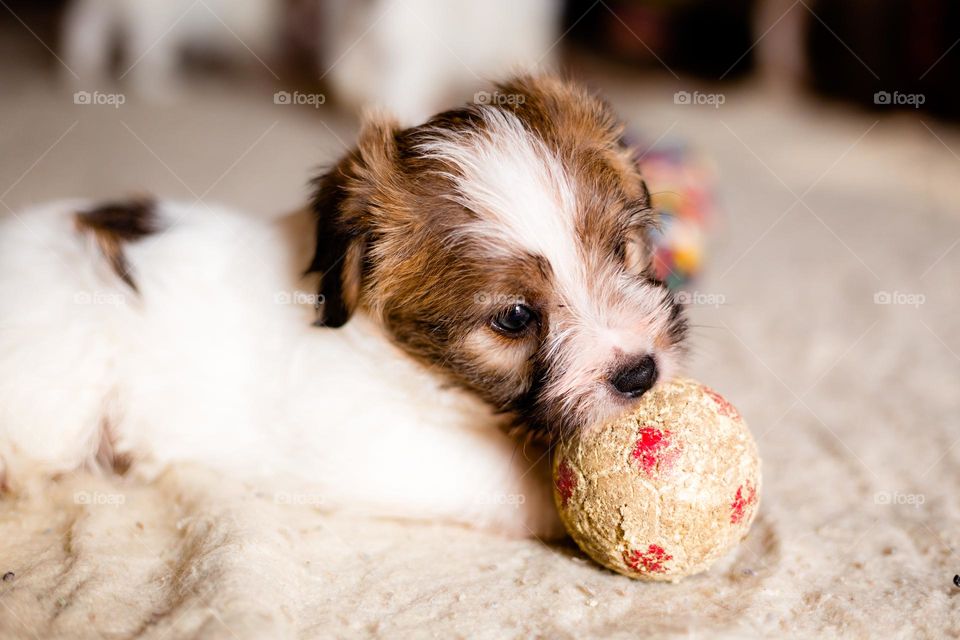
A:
(652, 450)
(566, 481)
(650, 561)
(724, 408)
(742, 503)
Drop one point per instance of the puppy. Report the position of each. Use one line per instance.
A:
(476, 287)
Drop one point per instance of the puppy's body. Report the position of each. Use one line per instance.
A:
(486, 272)
(214, 359)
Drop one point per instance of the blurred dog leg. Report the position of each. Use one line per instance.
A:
(87, 41)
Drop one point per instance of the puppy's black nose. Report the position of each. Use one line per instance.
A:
(636, 377)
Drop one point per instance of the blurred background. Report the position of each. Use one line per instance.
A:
(241, 100)
(805, 155)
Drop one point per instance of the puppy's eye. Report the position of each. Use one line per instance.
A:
(514, 320)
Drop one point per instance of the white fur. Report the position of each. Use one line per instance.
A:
(518, 188)
(215, 361)
(414, 57)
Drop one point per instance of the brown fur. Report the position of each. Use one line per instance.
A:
(108, 457)
(115, 224)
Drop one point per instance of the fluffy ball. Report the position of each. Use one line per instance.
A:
(664, 491)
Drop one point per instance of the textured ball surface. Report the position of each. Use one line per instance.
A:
(664, 491)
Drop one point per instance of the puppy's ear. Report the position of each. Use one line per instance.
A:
(345, 208)
(644, 222)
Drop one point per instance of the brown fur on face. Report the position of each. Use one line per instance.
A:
(427, 229)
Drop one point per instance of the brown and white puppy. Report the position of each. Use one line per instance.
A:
(483, 276)
(507, 247)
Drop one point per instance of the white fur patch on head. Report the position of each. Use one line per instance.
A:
(522, 195)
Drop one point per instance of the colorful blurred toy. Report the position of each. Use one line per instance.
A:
(681, 183)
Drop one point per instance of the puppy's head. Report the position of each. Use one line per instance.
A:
(505, 245)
